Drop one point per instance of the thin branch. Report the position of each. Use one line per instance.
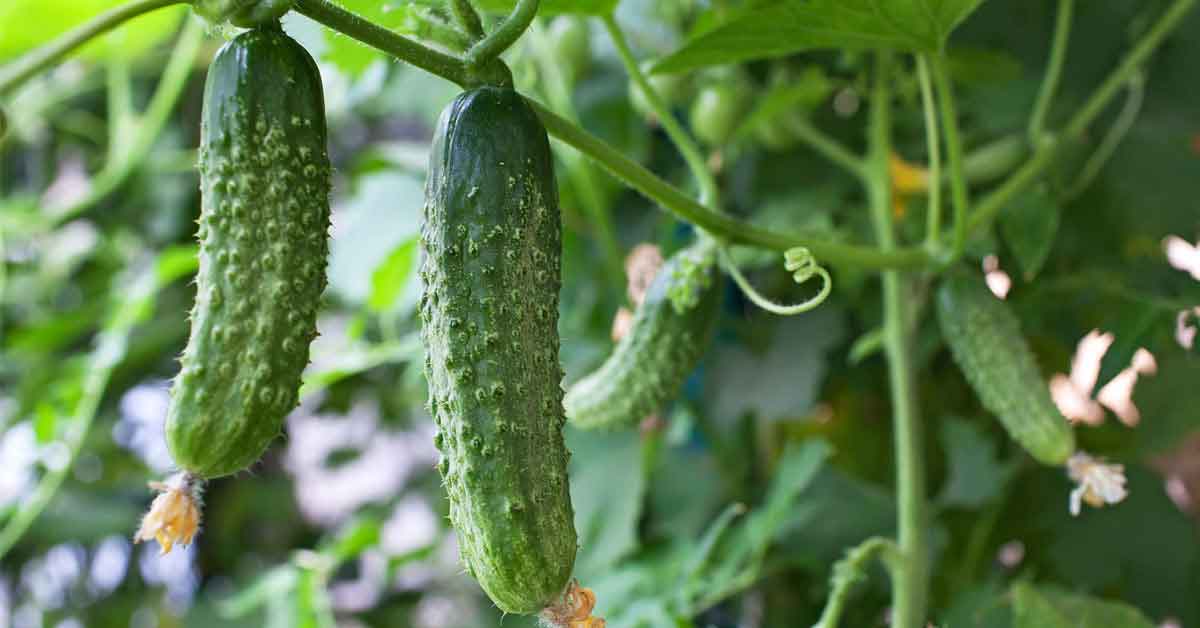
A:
(1054, 66)
(24, 68)
(933, 214)
(503, 36)
(954, 153)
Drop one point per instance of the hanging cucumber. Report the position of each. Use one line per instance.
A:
(670, 331)
(264, 177)
(985, 338)
(491, 269)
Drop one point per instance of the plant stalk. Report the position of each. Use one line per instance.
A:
(910, 571)
(1054, 66)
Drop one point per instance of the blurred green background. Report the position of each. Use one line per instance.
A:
(731, 507)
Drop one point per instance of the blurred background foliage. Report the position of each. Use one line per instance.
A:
(730, 507)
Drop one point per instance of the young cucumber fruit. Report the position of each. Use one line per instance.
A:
(491, 268)
(663, 345)
(264, 220)
(985, 338)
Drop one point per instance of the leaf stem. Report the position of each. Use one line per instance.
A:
(709, 193)
(827, 147)
(1112, 139)
(467, 18)
(910, 573)
(1054, 66)
(357, 27)
(504, 35)
(851, 570)
(1043, 155)
(954, 153)
(24, 68)
(933, 215)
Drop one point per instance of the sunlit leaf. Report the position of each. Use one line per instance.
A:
(27, 24)
(787, 27)
(392, 276)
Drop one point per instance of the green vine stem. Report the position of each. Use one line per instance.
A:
(126, 161)
(366, 31)
(24, 68)
(504, 35)
(467, 19)
(954, 155)
(1112, 139)
(827, 147)
(709, 193)
(1054, 66)
(910, 573)
(729, 229)
(933, 213)
(1043, 156)
(851, 570)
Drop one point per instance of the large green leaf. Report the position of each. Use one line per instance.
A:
(781, 28)
(1047, 607)
(1029, 225)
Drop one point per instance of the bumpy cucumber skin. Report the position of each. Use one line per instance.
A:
(264, 221)
(652, 360)
(491, 267)
(985, 338)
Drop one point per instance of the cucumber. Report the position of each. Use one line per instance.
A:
(670, 331)
(985, 338)
(491, 245)
(264, 221)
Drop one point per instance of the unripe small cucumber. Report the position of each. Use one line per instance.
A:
(670, 331)
(985, 338)
(264, 221)
(491, 268)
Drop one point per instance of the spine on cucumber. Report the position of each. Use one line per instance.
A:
(666, 340)
(491, 268)
(985, 338)
(264, 220)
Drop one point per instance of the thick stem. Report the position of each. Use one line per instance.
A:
(730, 229)
(347, 23)
(504, 36)
(1043, 156)
(933, 213)
(1054, 66)
(910, 573)
(954, 155)
(27, 66)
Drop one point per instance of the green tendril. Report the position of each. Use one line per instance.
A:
(800, 262)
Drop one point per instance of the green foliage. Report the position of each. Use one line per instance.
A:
(776, 28)
(774, 459)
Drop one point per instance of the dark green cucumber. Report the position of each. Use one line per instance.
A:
(264, 221)
(985, 338)
(491, 267)
(667, 338)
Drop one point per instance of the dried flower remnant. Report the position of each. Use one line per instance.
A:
(997, 280)
(1098, 483)
(574, 611)
(174, 515)
(1183, 255)
(641, 265)
(1117, 394)
(1185, 331)
(1072, 394)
